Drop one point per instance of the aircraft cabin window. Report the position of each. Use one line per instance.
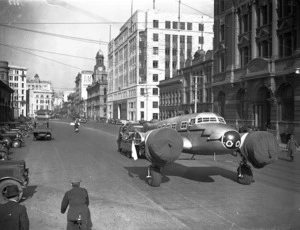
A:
(205, 119)
(163, 125)
(183, 125)
(174, 126)
(212, 119)
(159, 126)
(168, 125)
(199, 120)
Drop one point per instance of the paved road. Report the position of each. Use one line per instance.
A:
(195, 194)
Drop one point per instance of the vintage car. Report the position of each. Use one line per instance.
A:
(13, 172)
(14, 139)
(42, 130)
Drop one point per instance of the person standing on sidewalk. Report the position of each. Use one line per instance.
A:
(292, 146)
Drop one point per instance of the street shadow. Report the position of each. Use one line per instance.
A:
(284, 159)
(199, 174)
(28, 192)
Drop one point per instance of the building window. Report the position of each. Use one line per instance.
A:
(155, 91)
(167, 51)
(222, 33)
(16, 78)
(189, 26)
(155, 116)
(201, 40)
(174, 64)
(167, 63)
(201, 27)
(142, 92)
(142, 115)
(174, 52)
(175, 25)
(222, 62)
(168, 25)
(155, 64)
(155, 105)
(155, 77)
(155, 50)
(182, 25)
(155, 37)
(222, 5)
(142, 104)
(155, 23)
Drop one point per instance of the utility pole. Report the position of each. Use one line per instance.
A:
(196, 94)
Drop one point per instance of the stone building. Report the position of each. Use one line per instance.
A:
(6, 112)
(256, 64)
(41, 95)
(82, 81)
(96, 92)
(192, 84)
(151, 46)
(17, 81)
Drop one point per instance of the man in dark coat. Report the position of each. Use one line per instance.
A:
(78, 201)
(13, 216)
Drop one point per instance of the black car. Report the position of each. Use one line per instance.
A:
(12, 138)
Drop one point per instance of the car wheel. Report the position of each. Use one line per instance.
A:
(7, 139)
(3, 189)
(16, 144)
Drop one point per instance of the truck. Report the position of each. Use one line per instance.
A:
(13, 172)
(42, 130)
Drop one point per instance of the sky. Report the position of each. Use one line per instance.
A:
(57, 39)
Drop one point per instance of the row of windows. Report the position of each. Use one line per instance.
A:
(154, 104)
(182, 38)
(154, 116)
(144, 91)
(183, 25)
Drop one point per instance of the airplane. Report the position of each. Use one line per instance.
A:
(204, 133)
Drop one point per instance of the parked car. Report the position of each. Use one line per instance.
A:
(13, 172)
(12, 138)
(83, 120)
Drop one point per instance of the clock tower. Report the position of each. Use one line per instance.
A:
(99, 68)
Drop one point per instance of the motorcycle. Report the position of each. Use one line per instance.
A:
(76, 127)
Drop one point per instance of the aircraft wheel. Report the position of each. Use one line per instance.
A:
(7, 139)
(155, 179)
(16, 144)
(246, 177)
(4, 184)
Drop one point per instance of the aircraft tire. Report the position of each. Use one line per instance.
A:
(156, 177)
(16, 144)
(247, 178)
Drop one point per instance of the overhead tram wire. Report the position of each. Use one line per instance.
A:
(194, 9)
(68, 55)
(48, 59)
(57, 35)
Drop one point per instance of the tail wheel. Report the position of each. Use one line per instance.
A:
(246, 176)
(3, 189)
(16, 144)
(155, 179)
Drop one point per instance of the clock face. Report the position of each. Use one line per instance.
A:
(100, 68)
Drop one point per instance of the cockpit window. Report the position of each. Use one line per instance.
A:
(183, 125)
(174, 126)
(193, 121)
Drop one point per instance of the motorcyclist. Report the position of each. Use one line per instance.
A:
(76, 124)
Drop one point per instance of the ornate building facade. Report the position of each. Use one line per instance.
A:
(192, 84)
(96, 92)
(82, 81)
(6, 111)
(256, 64)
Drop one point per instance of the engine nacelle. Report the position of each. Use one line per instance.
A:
(163, 146)
(260, 148)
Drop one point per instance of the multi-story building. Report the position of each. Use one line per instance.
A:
(150, 47)
(83, 80)
(17, 81)
(190, 90)
(96, 101)
(256, 64)
(6, 93)
(41, 95)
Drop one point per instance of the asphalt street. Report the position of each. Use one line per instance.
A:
(195, 194)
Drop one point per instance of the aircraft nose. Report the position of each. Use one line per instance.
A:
(231, 140)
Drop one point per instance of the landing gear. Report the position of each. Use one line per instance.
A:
(154, 176)
(244, 172)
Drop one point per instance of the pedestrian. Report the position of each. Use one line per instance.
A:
(77, 199)
(13, 216)
(292, 146)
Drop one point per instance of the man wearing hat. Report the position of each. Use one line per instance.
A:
(78, 201)
(13, 216)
